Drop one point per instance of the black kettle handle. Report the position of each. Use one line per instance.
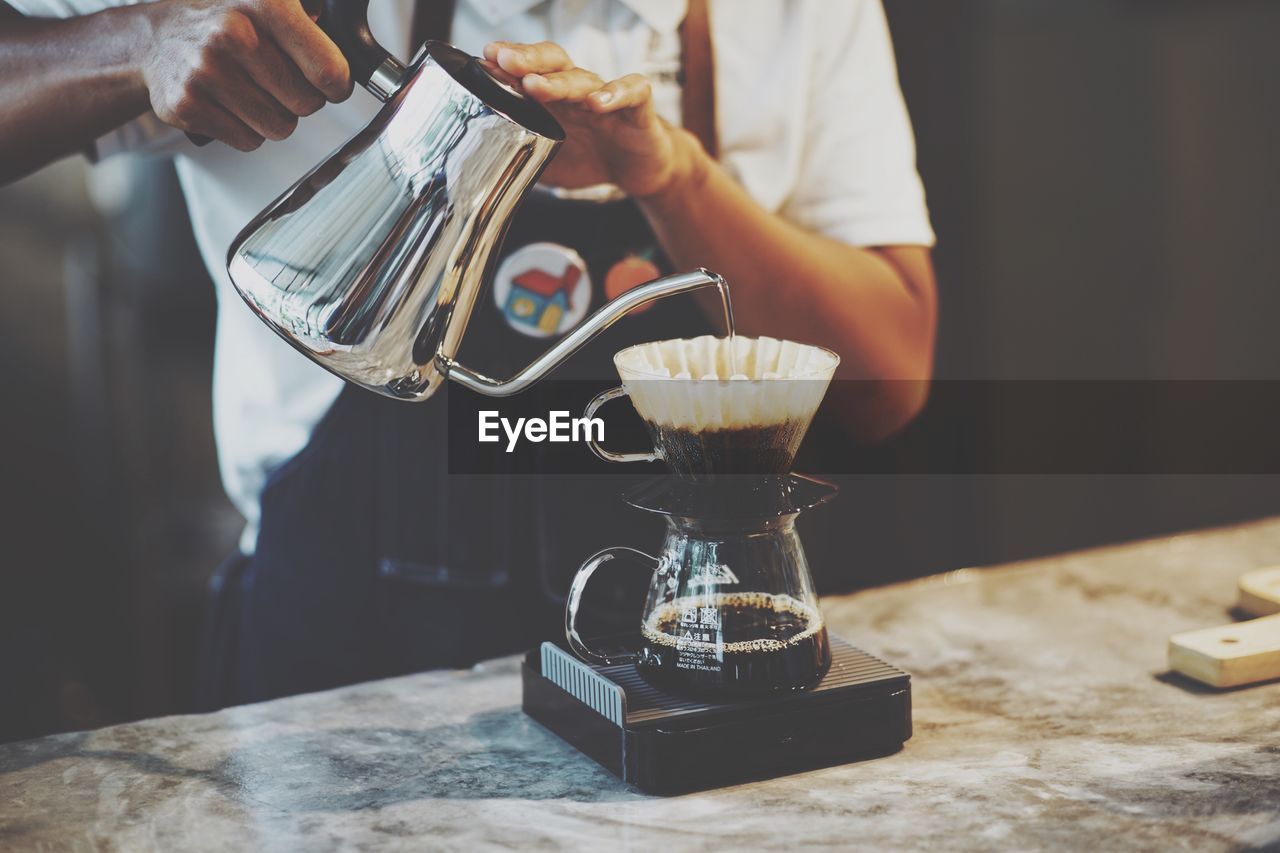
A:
(347, 23)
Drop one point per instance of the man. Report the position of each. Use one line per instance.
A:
(764, 139)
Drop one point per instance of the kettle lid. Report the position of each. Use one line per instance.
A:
(467, 71)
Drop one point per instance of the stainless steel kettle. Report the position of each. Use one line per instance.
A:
(371, 263)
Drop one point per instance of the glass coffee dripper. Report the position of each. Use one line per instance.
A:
(731, 608)
(718, 406)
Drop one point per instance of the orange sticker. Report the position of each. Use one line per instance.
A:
(631, 271)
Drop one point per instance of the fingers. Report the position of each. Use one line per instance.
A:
(276, 75)
(315, 55)
(574, 85)
(201, 115)
(522, 60)
(628, 92)
(498, 74)
(236, 93)
(547, 74)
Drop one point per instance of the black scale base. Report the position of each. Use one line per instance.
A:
(668, 744)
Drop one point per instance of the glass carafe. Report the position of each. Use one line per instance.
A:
(731, 608)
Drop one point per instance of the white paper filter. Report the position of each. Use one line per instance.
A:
(689, 383)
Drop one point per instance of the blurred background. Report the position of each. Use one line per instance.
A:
(1102, 175)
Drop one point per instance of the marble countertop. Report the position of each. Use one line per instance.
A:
(1043, 718)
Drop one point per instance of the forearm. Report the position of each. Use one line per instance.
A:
(63, 83)
(875, 307)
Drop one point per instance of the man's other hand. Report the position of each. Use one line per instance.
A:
(614, 135)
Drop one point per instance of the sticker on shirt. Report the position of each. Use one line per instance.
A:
(632, 271)
(543, 290)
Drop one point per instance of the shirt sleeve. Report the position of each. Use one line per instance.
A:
(858, 181)
(145, 134)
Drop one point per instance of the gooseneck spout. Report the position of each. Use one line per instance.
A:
(602, 319)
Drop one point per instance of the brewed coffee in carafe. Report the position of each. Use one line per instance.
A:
(749, 643)
(732, 608)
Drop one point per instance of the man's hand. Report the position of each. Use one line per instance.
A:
(614, 134)
(239, 71)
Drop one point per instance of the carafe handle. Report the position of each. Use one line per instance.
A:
(585, 571)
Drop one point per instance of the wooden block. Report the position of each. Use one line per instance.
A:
(1260, 592)
(1230, 655)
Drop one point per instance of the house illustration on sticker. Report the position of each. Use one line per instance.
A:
(541, 300)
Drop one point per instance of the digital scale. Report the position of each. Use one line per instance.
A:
(667, 744)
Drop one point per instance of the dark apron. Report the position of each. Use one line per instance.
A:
(373, 561)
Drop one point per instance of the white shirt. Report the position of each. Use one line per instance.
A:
(811, 123)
